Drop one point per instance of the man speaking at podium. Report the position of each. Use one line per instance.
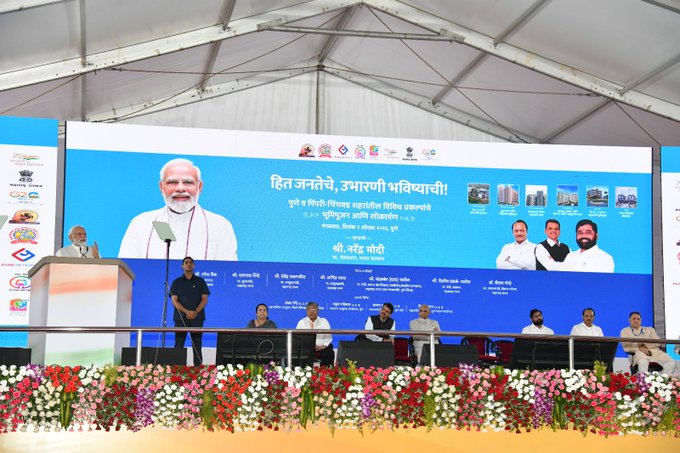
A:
(78, 248)
(200, 233)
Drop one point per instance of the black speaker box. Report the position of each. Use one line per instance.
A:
(238, 348)
(156, 356)
(450, 355)
(366, 353)
(15, 356)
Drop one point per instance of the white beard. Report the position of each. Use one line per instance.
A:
(181, 207)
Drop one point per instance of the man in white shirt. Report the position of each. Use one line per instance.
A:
(423, 323)
(518, 254)
(589, 257)
(587, 328)
(381, 321)
(199, 233)
(536, 327)
(79, 248)
(324, 341)
(551, 253)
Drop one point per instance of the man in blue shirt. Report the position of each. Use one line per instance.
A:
(189, 296)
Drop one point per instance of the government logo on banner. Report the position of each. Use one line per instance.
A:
(23, 236)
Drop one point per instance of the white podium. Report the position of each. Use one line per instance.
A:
(79, 292)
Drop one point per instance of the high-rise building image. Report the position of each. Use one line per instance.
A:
(508, 195)
(567, 195)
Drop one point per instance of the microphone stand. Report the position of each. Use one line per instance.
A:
(166, 289)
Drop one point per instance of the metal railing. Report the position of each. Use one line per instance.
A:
(290, 332)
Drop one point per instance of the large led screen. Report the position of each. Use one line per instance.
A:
(353, 222)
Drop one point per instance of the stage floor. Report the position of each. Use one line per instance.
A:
(320, 439)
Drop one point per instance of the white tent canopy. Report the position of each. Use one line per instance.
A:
(539, 71)
(598, 72)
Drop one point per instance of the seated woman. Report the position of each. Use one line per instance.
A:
(261, 318)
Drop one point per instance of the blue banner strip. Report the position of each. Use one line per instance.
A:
(28, 131)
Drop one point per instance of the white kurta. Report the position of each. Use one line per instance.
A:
(585, 331)
(322, 339)
(592, 260)
(369, 326)
(74, 251)
(422, 325)
(543, 330)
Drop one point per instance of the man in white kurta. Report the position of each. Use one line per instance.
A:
(589, 257)
(199, 233)
(518, 254)
(587, 328)
(643, 353)
(536, 327)
(324, 341)
(422, 323)
(78, 247)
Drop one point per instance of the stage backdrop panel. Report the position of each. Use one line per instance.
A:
(670, 212)
(353, 222)
(28, 170)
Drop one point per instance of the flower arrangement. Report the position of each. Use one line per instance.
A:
(16, 390)
(272, 397)
(222, 398)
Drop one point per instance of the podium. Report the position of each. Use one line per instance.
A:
(79, 292)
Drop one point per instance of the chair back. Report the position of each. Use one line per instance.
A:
(401, 350)
(484, 345)
(504, 350)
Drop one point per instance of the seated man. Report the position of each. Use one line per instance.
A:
(536, 327)
(324, 341)
(643, 353)
(78, 248)
(587, 328)
(422, 323)
(381, 322)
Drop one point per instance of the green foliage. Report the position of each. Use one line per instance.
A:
(110, 374)
(207, 411)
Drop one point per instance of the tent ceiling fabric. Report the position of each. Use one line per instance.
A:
(548, 71)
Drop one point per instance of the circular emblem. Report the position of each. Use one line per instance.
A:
(24, 236)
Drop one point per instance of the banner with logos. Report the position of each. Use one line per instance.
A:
(670, 212)
(355, 221)
(28, 152)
